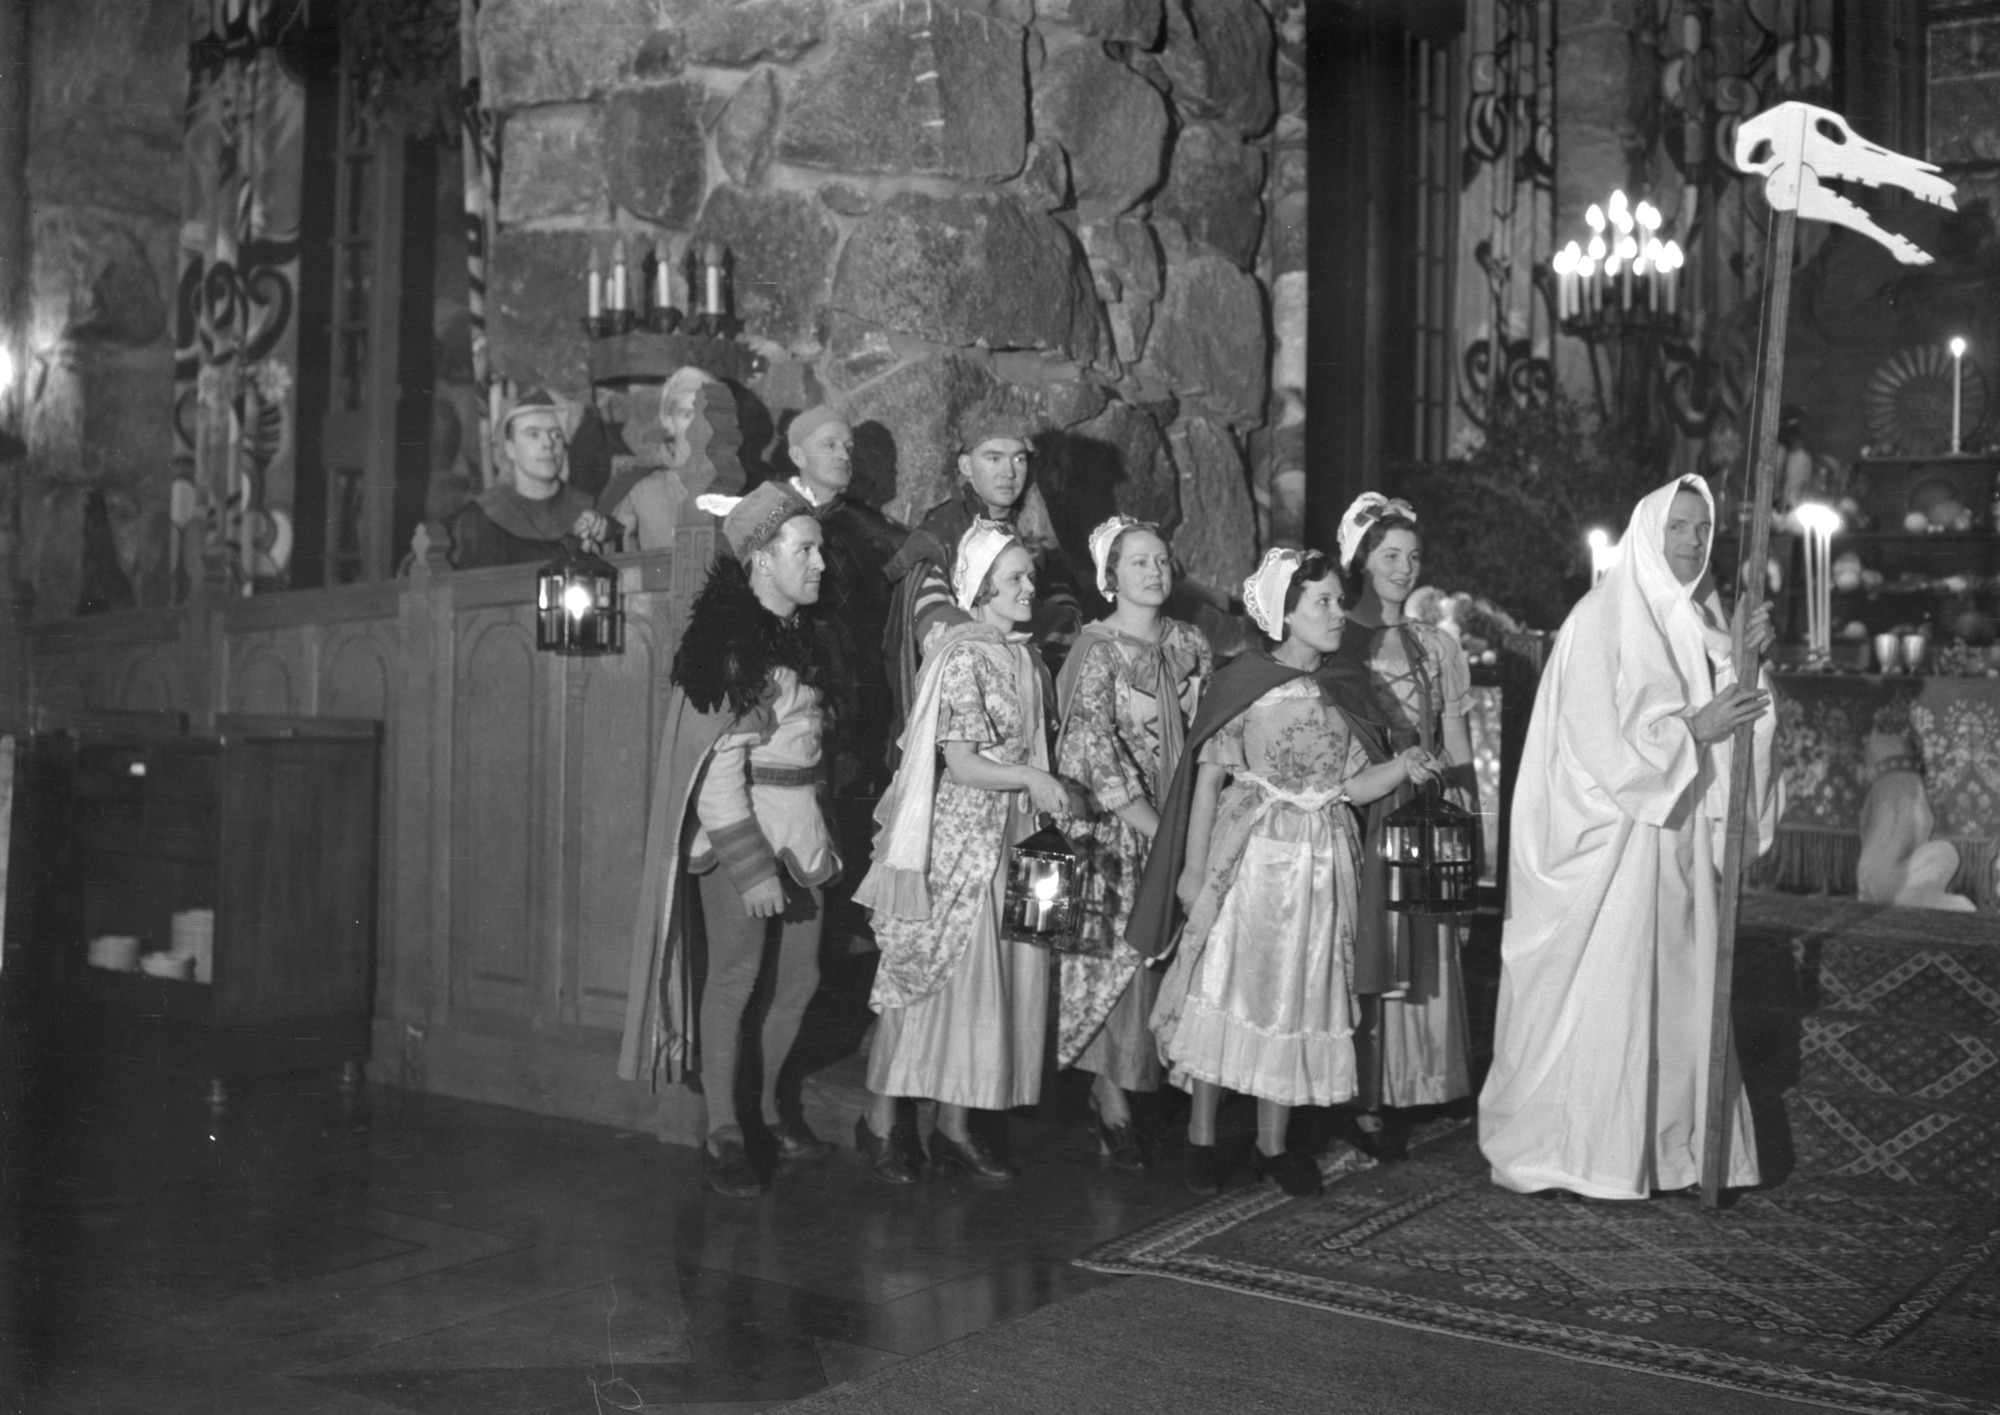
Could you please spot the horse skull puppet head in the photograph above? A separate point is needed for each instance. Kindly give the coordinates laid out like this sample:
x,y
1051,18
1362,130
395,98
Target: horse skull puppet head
x,y
1798,148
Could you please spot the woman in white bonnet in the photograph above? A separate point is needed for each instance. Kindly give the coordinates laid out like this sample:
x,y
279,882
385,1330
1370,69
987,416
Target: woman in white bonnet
x,y
963,1010
1127,691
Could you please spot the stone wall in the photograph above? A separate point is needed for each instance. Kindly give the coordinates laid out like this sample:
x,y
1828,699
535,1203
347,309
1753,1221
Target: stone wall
x,y
1060,205
109,78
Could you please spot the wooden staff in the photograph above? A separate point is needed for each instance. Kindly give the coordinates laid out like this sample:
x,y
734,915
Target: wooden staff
x,y
1722,1072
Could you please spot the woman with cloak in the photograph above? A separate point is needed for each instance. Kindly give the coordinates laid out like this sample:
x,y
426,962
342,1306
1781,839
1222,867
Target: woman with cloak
x,y
963,1011
1414,1040
1601,1048
1257,999
1126,692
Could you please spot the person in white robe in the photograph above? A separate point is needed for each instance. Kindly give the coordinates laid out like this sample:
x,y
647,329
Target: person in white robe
x,y
1601,1047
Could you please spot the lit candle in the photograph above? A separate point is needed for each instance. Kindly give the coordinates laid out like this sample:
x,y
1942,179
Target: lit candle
x,y
596,286
1603,554
711,294
1819,521
1957,390
620,289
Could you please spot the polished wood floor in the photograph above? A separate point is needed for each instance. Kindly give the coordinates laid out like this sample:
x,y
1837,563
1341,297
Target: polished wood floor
x,y
309,1250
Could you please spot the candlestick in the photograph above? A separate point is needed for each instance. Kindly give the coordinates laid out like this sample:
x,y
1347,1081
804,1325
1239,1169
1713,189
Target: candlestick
x,y
596,284
1957,391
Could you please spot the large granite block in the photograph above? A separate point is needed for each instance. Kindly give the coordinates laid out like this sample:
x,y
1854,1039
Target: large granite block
x,y
970,270
558,51
1112,123
918,89
552,164
655,157
783,244
535,301
1209,339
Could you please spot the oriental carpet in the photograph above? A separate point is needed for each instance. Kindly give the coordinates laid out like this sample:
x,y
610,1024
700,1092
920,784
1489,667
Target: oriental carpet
x,y
1850,1292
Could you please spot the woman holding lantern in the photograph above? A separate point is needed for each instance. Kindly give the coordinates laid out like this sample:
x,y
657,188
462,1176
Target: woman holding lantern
x,y
1406,966
1259,848
1126,693
963,1010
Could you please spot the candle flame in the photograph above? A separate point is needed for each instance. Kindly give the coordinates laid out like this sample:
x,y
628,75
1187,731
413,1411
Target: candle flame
x,y
1958,348
1817,517
1046,887
576,600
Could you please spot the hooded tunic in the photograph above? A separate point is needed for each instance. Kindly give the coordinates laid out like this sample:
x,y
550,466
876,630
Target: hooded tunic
x,y
1600,1066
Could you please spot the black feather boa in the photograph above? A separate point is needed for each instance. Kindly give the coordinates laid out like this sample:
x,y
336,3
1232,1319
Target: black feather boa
x,y
733,642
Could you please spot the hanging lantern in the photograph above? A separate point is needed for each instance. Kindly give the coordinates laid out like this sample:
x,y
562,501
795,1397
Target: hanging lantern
x,y
578,609
1044,892
1430,846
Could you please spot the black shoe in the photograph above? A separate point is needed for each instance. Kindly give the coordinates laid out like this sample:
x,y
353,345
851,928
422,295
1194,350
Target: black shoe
x,y
1295,1174
1203,1169
971,1156
1119,1143
728,1171
797,1142
885,1157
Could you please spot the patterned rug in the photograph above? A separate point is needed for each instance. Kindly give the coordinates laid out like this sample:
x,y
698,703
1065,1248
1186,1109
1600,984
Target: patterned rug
x,y
1854,1293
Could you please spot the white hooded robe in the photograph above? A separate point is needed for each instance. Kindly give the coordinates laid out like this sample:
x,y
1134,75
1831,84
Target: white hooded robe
x,y
1600,1066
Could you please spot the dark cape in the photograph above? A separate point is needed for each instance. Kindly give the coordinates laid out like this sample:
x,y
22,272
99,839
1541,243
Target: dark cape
x,y
1156,911
502,527
720,681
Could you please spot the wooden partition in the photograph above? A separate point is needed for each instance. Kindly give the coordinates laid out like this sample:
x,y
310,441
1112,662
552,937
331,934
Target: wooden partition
x,y
514,803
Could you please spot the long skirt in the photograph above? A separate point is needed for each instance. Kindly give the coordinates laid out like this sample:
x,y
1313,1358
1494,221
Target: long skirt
x,y
1257,1000
1123,1051
977,1041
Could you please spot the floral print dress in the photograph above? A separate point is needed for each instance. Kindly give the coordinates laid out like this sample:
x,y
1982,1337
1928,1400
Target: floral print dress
x,y
1257,998
1111,744
964,1013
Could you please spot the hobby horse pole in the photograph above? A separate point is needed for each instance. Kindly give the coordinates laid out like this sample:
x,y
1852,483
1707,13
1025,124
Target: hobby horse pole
x,y
1756,552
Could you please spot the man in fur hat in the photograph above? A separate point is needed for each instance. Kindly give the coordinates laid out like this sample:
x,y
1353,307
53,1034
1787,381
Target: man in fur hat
x,y
735,811
523,518
993,471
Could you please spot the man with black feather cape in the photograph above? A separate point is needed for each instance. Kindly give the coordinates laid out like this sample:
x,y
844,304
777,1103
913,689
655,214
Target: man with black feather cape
x,y
735,812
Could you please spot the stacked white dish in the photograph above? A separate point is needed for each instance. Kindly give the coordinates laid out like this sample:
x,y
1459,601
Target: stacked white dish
x,y
117,952
194,937
166,965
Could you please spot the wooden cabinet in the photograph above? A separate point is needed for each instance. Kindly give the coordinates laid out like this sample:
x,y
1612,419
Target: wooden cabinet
x,y
270,823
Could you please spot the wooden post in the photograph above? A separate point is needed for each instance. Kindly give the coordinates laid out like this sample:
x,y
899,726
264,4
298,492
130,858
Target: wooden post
x,y
1756,550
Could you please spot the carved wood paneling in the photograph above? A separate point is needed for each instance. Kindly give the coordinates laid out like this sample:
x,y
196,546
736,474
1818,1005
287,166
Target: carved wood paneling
x,y
263,677
147,683
497,797
354,671
611,746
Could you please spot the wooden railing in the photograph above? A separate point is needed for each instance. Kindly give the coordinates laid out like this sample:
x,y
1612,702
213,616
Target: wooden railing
x,y
513,805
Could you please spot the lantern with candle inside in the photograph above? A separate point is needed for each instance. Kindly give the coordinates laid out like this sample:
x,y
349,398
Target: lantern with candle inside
x,y
1044,892
1430,845
578,607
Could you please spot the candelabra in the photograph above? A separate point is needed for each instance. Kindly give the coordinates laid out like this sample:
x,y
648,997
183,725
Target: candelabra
x,y
1620,294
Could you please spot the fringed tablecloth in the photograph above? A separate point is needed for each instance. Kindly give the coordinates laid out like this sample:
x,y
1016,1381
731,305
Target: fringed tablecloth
x,y
1823,721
